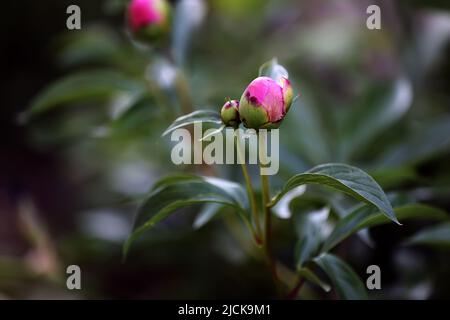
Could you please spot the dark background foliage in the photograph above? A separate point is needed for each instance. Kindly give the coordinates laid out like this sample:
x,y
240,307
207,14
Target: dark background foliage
x,y
65,196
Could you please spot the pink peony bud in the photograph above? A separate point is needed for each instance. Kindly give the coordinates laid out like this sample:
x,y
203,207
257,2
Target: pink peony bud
x,y
148,19
265,103
230,113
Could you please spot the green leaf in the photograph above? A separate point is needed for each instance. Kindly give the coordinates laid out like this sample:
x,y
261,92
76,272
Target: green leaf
x,y
14,269
134,117
437,236
390,177
428,139
350,180
310,233
312,277
213,133
273,70
312,142
83,85
174,192
366,217
208,116
96,44
378,110
208,212
346,282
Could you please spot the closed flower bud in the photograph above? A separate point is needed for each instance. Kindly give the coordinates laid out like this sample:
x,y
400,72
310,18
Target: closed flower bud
x,y
148,20
265,102
230,113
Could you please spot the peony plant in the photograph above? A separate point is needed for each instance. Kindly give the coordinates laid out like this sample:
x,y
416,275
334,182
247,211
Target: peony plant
x,y
264,105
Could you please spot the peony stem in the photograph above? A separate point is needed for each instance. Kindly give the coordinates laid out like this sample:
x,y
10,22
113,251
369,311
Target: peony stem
x,y
182,88
250,193
294,292
267,226
262,138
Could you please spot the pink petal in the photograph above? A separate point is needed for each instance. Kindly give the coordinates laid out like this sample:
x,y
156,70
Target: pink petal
x,y
268,93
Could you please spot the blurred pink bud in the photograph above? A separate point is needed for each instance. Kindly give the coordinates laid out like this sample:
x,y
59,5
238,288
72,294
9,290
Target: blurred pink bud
x,y
148,19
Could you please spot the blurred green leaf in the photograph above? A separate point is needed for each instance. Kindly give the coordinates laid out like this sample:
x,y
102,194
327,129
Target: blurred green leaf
x,y
135,116
311,141
208,212
347,283
81,86
213,133
350,180
392,177
436,236
12,269
179,191
428,139
115,7
238,8
379,109
366,217
94,45
309,228
208,116
312,277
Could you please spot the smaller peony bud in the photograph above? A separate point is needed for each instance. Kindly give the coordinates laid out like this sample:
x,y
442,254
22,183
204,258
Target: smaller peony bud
x,y
265,102
148,20
230,113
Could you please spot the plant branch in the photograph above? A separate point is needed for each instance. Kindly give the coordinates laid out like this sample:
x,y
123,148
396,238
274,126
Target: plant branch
x,y
262,139
250,192
182,88
294,292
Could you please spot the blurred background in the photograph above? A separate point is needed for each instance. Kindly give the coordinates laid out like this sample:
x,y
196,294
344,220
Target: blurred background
x,y
82,114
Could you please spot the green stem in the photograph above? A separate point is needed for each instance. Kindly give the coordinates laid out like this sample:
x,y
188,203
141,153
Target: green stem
x,y
267,226
182,88
162,101
294,292
262,138
250,193
180,83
